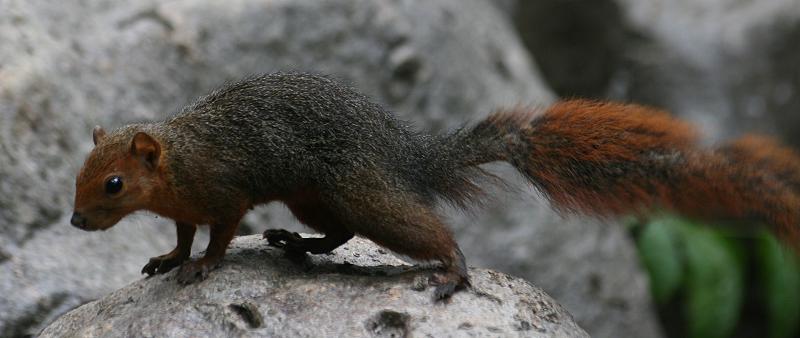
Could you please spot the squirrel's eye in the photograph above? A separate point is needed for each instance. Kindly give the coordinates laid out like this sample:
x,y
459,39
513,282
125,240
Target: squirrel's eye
x,y
113,185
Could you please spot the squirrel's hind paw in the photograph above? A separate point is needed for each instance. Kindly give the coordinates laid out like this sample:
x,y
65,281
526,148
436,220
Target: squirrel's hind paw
x,y
447,284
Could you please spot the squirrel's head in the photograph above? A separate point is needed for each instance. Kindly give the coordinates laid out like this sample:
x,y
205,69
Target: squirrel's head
x,y
118,178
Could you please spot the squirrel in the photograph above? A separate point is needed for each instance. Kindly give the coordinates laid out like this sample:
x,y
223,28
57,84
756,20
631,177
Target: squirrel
x,y
345,166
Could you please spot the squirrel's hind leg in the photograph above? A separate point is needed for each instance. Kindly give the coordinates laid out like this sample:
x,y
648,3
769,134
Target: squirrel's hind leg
x,y
402,222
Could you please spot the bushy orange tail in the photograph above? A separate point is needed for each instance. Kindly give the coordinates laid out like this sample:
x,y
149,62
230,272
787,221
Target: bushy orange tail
x,y
767,155
608,159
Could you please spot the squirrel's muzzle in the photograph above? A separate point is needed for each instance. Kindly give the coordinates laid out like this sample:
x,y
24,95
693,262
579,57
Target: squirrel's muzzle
x,y
78,221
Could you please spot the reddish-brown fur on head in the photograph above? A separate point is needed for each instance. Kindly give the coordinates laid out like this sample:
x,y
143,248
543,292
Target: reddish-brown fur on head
x,y
128,154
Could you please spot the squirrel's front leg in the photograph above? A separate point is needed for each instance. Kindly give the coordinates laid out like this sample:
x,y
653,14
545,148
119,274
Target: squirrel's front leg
x,y
166,262
197,270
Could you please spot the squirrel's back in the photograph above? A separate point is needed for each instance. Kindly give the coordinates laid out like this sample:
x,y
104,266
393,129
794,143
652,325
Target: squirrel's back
x,y
288,131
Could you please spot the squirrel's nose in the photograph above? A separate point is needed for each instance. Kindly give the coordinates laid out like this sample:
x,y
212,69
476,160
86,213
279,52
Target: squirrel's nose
x,y
78,220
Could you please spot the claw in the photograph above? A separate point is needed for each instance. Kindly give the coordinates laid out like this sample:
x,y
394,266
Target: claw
x,y
444,291
447,284
161,264
151,266
281,237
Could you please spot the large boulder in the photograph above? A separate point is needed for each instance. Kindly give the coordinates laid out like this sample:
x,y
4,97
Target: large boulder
x,y
357,291
74,64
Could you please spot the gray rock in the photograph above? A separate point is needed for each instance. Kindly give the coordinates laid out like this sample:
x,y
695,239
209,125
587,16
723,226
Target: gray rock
x,y
729,65
357,291
507,7
579,45
64,267
439,64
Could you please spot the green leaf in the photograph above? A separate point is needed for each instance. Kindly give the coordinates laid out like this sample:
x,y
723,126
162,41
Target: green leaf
x,y
661,257
779,274
714,284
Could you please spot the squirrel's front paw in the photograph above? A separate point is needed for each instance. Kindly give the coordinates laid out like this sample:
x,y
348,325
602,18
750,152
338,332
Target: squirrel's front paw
x,y
193,271
162,264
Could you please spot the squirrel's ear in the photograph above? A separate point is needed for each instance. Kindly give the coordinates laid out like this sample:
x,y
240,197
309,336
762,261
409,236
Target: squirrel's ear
x,y
147,149
97,134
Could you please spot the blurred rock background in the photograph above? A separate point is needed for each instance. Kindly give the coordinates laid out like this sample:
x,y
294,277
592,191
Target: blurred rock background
x,y
729,65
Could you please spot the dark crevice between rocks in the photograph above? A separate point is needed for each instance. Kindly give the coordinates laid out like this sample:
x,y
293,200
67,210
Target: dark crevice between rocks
x,y
4,256
595,284
465,326
407,66
22,325
578,45
388,323
249,314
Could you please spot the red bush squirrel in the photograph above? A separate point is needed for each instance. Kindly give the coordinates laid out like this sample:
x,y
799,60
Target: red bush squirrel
x,y
344,166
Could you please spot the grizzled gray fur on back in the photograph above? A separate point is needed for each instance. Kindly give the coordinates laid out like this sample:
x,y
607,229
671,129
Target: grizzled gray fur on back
x,y
254,134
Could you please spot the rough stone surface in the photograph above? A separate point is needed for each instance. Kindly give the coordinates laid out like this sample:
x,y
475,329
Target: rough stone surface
x,y
357,291
65,67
